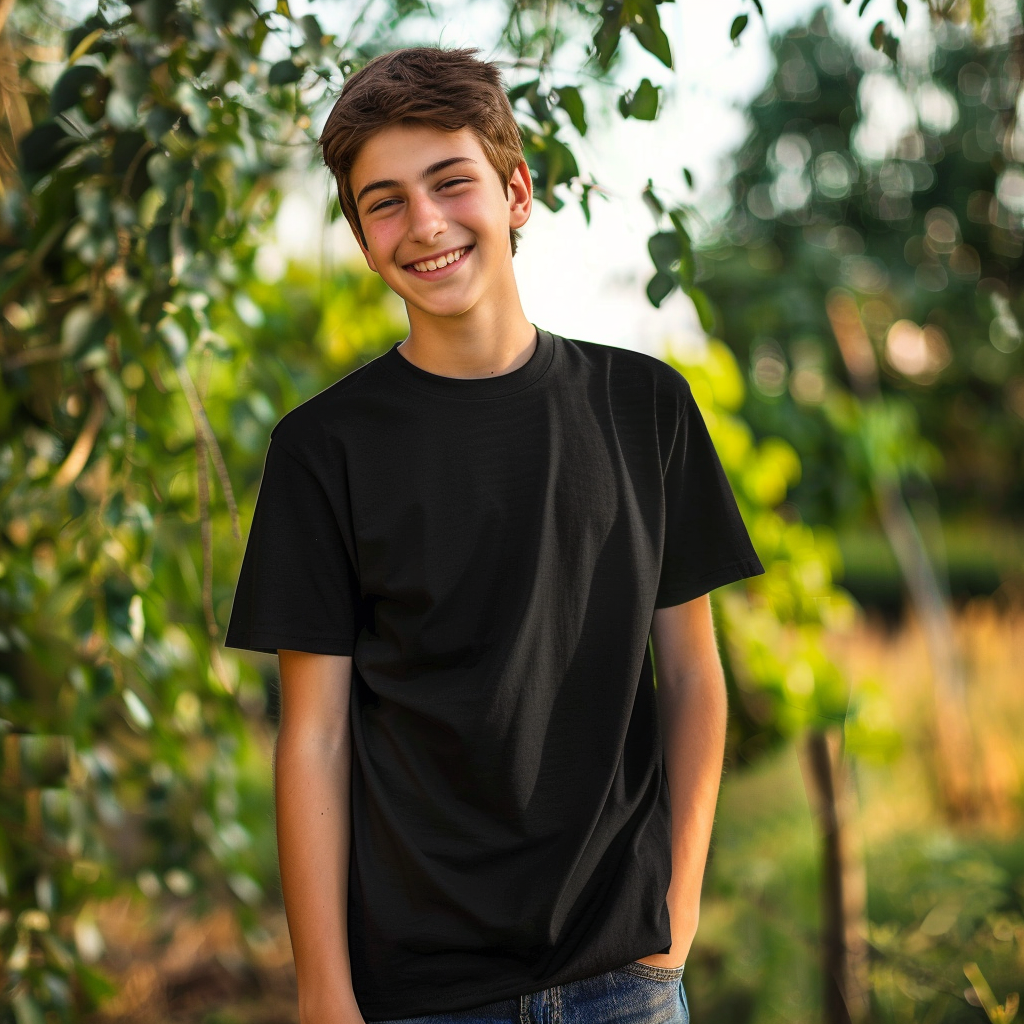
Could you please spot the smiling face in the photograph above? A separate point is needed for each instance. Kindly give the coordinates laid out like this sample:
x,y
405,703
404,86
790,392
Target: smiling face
x,y
426,197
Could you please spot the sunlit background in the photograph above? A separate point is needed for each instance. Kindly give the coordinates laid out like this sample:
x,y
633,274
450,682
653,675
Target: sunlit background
x,y
602,267
831,250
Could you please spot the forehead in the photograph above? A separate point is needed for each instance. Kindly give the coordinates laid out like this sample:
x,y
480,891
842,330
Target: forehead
x,y
402,151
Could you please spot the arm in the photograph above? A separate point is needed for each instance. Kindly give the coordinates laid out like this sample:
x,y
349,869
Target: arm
x,y
312,773
693,709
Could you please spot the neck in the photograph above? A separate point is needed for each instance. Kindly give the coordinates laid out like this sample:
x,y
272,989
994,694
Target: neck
x,y
492,338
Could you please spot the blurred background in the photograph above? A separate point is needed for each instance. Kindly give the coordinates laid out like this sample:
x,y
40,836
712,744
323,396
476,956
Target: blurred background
x,y
814,210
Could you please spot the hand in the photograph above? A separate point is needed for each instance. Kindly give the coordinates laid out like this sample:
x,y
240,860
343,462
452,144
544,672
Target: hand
x,y
670,960
682,940
684,931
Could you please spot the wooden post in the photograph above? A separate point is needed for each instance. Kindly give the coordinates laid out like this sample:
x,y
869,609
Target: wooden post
x,y
844,945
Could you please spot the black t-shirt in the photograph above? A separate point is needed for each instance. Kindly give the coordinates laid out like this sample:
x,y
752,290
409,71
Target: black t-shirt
x,y
490,551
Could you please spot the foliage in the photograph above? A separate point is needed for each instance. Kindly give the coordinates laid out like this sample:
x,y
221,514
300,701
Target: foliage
x,y
142,357
938,902
780,677
925,229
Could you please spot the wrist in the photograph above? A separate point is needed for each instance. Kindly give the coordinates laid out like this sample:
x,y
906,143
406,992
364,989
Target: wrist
x,y
328,1004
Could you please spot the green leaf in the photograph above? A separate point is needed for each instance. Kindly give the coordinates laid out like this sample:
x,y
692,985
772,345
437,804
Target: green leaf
x,y
311,30
679,224
863,7
26,1009
642,104
585,204
139,712
260,29
68,89
284,72
517,92
551,163
588,188
158,245
660,287
882,39
704,308
652,202
540,106
606,38
665,249
688,176
94,984
684,272
563,160
42,148
739,23
84,44
641,18
571,102
901,7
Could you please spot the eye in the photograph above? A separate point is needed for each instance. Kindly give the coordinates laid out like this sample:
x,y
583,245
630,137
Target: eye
x,y
387,202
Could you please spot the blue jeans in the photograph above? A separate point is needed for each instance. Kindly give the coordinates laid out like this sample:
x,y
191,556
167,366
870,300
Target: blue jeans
x,y
633,994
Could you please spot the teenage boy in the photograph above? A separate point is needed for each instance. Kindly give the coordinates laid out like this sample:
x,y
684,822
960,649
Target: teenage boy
x,y
460,552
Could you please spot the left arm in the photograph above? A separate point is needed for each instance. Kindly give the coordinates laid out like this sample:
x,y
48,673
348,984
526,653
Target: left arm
x,y
693,709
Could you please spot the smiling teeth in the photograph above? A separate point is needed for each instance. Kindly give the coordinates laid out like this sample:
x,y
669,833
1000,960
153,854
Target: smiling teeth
x,y
441,261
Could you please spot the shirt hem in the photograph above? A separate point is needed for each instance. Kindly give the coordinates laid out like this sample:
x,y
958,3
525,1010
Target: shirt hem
x,y
270,643
473,998
730,573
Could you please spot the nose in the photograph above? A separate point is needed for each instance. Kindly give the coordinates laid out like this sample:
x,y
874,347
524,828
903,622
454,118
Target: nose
x,y
426,221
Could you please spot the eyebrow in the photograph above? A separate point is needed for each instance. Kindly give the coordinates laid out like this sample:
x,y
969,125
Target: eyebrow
x,y
376,186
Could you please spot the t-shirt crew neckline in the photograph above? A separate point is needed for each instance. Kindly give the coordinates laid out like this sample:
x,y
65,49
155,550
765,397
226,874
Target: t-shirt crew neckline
x,y
474,387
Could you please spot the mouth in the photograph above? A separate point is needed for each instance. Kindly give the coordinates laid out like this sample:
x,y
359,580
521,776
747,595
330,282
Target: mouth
x,y
441,265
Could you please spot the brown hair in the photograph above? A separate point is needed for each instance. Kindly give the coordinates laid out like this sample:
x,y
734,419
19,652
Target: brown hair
x,y
445,89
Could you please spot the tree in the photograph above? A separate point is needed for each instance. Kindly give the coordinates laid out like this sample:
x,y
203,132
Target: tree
x,y
875,285
142,158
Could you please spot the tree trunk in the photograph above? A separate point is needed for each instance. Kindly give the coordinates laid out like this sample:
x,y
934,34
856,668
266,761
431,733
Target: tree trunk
x,y
844,945
953,750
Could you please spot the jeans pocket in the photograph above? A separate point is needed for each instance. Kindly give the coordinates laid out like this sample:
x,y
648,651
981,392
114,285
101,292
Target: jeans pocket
x,y
654,973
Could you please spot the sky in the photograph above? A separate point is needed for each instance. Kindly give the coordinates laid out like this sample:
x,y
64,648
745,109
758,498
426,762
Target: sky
x,y
602,269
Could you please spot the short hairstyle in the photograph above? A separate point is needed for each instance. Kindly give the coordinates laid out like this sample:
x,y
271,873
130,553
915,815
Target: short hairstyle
x,y
445,89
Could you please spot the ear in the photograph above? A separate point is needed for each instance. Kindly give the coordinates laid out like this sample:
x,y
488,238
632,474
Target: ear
x,y
520,196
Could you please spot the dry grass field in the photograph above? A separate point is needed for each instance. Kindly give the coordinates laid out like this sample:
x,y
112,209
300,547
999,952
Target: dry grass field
x,y
990,638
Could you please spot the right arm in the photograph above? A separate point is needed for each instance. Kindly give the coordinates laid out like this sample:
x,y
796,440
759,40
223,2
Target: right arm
x,y
312,773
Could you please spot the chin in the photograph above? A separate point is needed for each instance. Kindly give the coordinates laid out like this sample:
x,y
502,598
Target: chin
x,y
450,306
445,311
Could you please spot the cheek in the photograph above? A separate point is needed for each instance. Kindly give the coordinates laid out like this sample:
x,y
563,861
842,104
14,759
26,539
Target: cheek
x,y
472,211
383,238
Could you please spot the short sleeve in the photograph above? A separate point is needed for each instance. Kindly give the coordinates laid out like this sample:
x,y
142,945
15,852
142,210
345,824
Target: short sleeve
x,y
706,541
297,587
